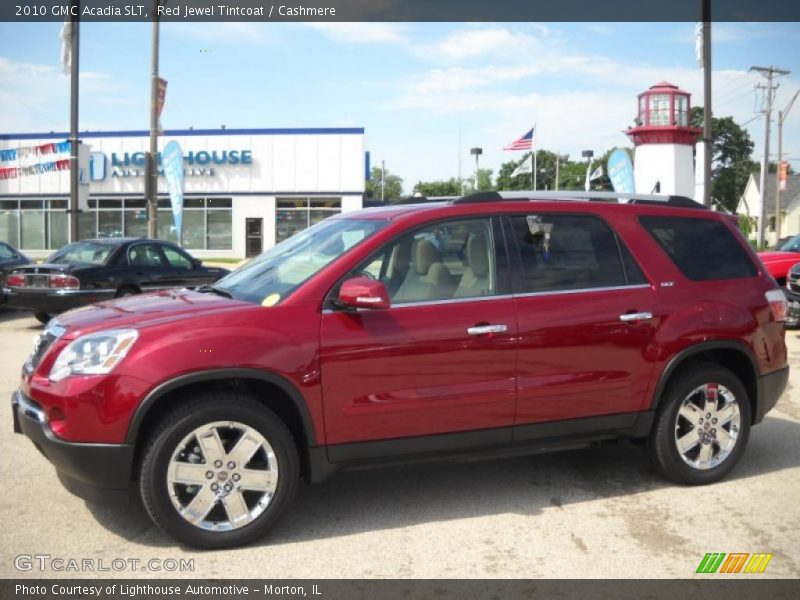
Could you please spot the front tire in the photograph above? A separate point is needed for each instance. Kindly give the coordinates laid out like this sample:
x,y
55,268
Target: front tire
x,y
219,471
702,425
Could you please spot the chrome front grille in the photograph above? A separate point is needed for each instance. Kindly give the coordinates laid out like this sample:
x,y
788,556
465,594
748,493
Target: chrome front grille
x,y
42,343
793,282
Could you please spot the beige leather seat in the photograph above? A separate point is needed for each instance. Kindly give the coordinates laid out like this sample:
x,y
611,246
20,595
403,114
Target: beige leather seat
x,y
427,279
475,281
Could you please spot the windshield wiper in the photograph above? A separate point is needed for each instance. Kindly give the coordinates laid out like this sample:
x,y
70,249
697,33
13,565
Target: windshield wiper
x,y
214,290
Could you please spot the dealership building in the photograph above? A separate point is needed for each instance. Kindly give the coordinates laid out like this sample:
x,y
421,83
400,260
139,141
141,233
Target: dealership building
x,y
245,189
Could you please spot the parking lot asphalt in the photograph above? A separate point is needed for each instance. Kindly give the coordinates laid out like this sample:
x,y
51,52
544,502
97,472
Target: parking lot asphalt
x,y
601,512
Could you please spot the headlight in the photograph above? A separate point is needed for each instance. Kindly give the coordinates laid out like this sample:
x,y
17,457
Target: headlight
x,y
93,354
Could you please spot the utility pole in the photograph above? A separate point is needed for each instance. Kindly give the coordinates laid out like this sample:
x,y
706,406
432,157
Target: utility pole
x,y
151,170
781,118
707,133
769,73
73,126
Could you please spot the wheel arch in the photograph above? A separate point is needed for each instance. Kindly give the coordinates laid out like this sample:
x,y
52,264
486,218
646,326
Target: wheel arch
x,y
735,356
270,389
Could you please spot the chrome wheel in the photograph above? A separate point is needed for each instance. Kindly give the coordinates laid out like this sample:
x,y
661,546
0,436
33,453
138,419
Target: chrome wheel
x,y
707,426
222,476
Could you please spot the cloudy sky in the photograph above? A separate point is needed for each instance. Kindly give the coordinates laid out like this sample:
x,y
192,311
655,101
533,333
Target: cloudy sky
x,y
413,86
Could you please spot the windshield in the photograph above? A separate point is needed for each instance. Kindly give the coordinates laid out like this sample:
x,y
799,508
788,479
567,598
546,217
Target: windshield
x,y
272,276
83,253
791,245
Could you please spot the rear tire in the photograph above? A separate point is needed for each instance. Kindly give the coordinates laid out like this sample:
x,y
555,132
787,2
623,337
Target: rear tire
x,y
702,425
127,290
43,317
199,482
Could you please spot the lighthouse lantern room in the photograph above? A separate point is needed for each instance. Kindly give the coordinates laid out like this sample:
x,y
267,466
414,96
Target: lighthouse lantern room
x,y
664,140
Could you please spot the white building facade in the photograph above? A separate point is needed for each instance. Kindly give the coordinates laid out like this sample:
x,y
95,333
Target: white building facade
x,y
245,189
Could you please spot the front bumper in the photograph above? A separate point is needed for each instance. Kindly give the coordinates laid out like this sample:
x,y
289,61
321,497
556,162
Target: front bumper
x,y
53,301
99,473
770,388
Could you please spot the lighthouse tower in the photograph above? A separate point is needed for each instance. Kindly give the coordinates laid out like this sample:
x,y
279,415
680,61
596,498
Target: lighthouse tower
x,y
663,160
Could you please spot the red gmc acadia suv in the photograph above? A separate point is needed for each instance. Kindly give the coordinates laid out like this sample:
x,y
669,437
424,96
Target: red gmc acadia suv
x,y
492,323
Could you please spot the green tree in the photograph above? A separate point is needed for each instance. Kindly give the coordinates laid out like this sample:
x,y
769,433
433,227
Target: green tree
x,y
571,174
731,160
393,186
484,181
448,187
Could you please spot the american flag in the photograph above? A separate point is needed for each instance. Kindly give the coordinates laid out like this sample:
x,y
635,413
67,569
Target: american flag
x,y
523,143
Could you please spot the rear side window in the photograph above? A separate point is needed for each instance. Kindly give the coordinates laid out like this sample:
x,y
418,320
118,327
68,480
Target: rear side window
x,y
703,249
568,252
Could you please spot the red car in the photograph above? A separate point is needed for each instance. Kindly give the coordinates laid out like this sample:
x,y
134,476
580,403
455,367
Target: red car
x,y
784,257
490,324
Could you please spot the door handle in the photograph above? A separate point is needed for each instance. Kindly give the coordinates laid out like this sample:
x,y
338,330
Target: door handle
x,y
484,329
639,316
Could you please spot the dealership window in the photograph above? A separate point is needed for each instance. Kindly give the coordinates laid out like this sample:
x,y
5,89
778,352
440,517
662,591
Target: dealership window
x,y
42,224
9,222
294,214
207,222
34,224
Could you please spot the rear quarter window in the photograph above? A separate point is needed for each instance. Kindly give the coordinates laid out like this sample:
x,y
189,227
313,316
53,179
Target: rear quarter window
x,y
703,249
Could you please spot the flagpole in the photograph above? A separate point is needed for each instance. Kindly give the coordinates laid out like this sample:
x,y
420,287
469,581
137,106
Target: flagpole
x,y
533,148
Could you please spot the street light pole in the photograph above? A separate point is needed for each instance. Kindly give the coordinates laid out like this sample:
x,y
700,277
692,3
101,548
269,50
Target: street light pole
x,y
587,154
151,171
74,182
476,152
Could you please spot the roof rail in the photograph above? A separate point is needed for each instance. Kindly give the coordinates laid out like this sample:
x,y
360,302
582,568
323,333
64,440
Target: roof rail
x,y
424,199
575,196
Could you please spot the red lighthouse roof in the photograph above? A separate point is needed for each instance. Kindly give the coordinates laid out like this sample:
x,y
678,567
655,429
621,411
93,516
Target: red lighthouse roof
x,y
666,86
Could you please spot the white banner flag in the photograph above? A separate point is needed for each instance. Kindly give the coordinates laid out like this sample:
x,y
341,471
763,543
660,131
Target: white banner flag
x,y
526,166
66,47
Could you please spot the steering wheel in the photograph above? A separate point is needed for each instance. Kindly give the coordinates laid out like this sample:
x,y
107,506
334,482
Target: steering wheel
x,y
367,274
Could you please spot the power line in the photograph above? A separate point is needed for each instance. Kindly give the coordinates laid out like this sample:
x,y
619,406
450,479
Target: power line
x,y
733,90
734,99
750,120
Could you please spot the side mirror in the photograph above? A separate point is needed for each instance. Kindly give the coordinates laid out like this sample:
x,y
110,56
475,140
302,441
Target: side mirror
x,y
196,263
363,292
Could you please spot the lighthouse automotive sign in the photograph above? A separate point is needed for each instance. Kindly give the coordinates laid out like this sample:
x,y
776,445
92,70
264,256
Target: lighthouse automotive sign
x,y
196,163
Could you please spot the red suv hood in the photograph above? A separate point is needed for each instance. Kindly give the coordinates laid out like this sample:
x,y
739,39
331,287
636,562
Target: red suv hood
x,y
778,255
145,310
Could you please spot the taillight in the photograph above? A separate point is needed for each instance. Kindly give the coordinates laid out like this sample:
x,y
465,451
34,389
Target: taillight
x,y
15,280
64,282
777,304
